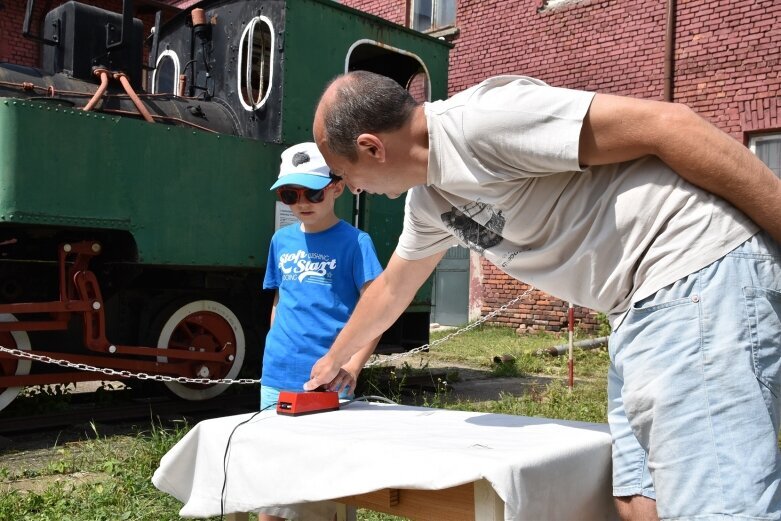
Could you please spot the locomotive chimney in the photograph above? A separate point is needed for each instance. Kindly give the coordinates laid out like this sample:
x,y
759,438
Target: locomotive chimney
x,y
201,28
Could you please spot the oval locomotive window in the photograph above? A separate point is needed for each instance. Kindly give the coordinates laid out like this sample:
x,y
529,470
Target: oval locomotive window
x,y
256,56
164,77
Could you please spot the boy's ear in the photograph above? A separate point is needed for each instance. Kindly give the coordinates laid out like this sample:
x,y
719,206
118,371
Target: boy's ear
x,y
372,146
338,188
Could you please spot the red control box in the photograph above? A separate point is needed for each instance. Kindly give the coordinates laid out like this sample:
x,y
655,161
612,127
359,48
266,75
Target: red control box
x,y
293,403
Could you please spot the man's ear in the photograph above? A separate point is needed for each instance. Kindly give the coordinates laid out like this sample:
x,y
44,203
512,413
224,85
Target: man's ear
x,y
371,145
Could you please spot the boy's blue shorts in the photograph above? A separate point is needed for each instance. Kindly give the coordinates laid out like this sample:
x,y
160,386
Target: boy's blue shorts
x,y
694,391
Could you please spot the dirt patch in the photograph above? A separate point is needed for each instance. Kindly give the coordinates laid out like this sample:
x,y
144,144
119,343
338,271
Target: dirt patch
x,y
39,484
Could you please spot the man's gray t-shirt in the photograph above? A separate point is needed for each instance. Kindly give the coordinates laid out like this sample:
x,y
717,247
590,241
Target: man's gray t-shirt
x,y
504,180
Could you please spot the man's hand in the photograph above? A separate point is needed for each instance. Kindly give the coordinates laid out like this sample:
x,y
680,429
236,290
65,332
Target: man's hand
x,y
323,372
347,378
379,306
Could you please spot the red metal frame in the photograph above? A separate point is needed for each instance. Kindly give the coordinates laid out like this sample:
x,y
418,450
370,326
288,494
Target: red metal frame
x,y
80,294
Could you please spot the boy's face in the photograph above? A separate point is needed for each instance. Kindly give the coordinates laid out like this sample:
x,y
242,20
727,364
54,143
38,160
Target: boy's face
x,y
309,213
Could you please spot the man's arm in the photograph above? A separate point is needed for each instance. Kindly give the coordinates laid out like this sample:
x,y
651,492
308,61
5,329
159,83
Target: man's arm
x,y
619,129
380,306
348,377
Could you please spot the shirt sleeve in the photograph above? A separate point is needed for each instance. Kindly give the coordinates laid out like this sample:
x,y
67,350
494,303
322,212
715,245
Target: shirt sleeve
x,y
524,127
420,239
271,279
367,267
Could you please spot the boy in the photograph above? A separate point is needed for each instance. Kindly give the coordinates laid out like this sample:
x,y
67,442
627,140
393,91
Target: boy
x,y
319,268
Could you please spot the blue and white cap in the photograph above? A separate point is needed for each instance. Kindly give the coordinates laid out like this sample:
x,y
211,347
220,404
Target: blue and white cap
x,y
303,165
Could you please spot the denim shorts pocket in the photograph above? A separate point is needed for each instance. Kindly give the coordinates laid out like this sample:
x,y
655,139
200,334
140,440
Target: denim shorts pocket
x,y
650,305
763,309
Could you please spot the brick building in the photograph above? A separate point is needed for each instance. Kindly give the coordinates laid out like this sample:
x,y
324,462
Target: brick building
x,y
721,58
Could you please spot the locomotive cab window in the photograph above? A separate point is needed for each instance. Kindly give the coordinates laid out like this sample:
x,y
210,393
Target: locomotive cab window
x,y
256,54
164,77
403,66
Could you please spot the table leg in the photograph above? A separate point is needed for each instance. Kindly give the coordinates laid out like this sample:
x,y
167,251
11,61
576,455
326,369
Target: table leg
x,y
345,512
488,505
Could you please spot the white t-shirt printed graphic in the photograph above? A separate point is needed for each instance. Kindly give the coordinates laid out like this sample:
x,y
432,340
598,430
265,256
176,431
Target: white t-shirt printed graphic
x,y
600,237
300,265
477,224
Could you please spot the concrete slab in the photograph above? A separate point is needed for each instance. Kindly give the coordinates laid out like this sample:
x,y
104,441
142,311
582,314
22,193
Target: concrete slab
x,y
492,388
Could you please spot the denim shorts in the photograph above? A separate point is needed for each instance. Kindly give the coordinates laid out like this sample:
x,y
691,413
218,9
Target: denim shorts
x,y
269,396
694,390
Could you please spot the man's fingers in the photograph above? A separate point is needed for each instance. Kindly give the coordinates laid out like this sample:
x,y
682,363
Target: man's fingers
x,y
312,384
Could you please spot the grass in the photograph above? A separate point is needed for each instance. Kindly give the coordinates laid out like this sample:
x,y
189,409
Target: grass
x,y
116,471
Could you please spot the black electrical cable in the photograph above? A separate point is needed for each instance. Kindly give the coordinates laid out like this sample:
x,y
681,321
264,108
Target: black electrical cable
x,y
228,444
225,458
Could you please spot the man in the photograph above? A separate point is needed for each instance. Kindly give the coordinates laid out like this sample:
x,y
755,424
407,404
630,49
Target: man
x,y
615,204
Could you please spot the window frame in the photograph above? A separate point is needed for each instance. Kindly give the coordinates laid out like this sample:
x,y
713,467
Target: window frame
x,y
177,71
241,77
431,28
384,46
754,139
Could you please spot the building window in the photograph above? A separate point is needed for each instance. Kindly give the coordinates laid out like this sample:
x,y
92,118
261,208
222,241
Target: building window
x,y
768,148
254,68
166,73
430,15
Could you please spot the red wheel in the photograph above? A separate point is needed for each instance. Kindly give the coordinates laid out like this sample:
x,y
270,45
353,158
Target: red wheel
x,y
10,367
206,326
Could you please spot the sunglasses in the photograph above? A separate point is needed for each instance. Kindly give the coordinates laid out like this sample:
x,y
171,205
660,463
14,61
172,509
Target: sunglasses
x,y
289,195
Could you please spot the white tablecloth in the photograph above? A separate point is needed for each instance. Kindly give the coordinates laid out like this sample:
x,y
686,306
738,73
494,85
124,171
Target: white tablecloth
x,y
543,469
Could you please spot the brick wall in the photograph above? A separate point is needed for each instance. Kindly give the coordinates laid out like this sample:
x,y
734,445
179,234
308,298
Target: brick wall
x,y
393,10
537,312
727,64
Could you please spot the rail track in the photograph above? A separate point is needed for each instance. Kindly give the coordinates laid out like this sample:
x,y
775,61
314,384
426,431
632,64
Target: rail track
x,y
86,410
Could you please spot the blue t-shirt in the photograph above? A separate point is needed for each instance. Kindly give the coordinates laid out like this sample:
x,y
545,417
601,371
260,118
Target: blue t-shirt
x,y
319,277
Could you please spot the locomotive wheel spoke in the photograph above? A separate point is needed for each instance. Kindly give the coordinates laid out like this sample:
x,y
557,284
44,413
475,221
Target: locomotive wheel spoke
x,y
206,326
8,367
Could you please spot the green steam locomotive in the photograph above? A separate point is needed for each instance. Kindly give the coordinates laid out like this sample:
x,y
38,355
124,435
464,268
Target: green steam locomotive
x,y
135,214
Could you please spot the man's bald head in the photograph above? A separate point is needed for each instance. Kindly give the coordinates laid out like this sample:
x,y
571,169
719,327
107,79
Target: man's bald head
x,y
356,103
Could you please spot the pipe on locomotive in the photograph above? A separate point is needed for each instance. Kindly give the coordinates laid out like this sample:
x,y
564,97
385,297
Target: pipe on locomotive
x,y
22,82
122,77
103,74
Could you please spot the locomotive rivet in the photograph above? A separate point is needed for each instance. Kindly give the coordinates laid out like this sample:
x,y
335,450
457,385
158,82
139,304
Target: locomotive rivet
x,y
112,349
95,247
231,358
67,248
96,305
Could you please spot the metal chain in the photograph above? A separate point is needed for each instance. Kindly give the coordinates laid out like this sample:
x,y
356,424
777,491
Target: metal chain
x,y
228,381
125,374
451,335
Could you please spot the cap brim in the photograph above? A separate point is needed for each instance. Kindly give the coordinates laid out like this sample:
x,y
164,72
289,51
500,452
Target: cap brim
x,y
315,182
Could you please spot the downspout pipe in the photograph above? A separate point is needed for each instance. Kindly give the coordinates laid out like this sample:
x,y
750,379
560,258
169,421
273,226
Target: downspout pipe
x,y
669,52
